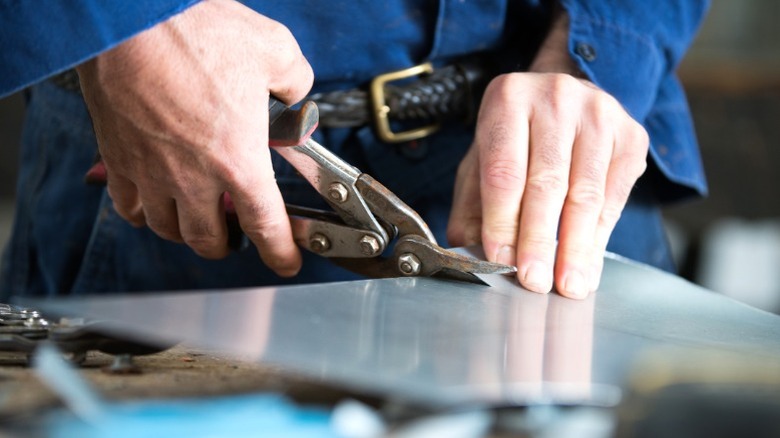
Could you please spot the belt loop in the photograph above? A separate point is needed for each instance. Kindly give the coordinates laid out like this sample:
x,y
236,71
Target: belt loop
x,y
464,27
438,34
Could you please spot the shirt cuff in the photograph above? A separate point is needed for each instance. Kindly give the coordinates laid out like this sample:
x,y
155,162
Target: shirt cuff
x,y
40,40
627,65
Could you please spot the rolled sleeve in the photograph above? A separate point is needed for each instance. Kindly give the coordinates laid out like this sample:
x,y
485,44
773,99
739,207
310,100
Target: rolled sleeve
x,y
39,39
631,50
624,64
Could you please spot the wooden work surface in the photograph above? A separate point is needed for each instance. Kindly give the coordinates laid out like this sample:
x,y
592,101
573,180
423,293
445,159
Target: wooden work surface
x,y
176,373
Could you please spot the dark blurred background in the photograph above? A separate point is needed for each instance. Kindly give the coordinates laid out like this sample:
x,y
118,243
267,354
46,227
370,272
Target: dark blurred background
x,y
729,242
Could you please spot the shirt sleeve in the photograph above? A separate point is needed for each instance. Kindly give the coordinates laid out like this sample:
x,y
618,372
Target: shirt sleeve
x,y
40,39
629,48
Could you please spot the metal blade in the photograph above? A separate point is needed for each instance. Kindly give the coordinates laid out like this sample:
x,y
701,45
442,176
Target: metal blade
x,y
415,255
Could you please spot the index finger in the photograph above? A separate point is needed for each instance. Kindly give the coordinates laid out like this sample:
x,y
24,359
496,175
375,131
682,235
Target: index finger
x,y
259,205
263,218
502,141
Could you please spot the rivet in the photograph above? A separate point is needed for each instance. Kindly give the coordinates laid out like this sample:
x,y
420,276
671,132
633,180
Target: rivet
x,y
338,192
369,245
409,264
319,243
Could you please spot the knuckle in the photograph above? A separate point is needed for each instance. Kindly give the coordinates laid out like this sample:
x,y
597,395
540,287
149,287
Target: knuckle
x,y
538,243
637,140
602,114
500,231
506,93
610,215
135,220
232,176
204,239
204,245
504,175
573,252
639,168
602,102
632,166
282,35
594,171
199,233
265,232
163,228
500,87
551,183
132,216
184,182
264,227
561,87
638,135
633,153
296,75
244,177
586,195
307,74
171,235
564,82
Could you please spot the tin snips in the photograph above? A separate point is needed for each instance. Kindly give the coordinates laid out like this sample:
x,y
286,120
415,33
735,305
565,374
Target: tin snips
x,y
366,218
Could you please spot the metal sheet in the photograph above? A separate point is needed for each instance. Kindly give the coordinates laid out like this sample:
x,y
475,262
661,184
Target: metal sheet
x,y
440,342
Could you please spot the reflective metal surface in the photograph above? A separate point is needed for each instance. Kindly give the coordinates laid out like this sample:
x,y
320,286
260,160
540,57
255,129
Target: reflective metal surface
x,y
440,342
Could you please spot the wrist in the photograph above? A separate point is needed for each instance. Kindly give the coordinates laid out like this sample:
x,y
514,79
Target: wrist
x,y
553,55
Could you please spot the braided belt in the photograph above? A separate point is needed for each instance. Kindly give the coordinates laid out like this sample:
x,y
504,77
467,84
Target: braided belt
x,y
423,96
448,93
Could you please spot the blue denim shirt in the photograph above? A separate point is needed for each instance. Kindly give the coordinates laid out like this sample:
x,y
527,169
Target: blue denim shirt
x,y
67,238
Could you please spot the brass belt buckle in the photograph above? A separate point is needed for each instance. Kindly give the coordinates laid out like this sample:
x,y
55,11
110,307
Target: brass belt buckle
x,y
381,111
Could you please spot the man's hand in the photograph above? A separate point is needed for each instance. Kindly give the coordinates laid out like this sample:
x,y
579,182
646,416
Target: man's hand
x,y
553,156
181,117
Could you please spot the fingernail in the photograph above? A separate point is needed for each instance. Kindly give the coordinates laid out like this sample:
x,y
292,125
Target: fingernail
x,y
538,277
575,284
506,255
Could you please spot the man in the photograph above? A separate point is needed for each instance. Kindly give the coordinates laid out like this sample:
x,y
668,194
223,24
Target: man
x,y
180,117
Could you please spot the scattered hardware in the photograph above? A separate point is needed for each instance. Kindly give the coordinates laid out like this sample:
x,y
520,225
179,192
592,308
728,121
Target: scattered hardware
x,y
23,329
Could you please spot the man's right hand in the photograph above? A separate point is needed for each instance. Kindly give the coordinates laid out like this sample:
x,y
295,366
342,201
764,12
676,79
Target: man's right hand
x,y
181,117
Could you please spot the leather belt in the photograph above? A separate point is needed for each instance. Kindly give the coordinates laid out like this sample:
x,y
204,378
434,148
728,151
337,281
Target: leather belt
x,y
420,96
448,93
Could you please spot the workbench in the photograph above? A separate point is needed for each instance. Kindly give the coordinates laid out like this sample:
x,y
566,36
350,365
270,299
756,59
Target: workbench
x,y
438,346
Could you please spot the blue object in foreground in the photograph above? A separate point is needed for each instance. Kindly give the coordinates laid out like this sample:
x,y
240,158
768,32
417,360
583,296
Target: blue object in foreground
x,y
256,415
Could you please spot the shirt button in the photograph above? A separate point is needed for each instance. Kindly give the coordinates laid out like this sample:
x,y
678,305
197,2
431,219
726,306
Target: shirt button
x,y
586,51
